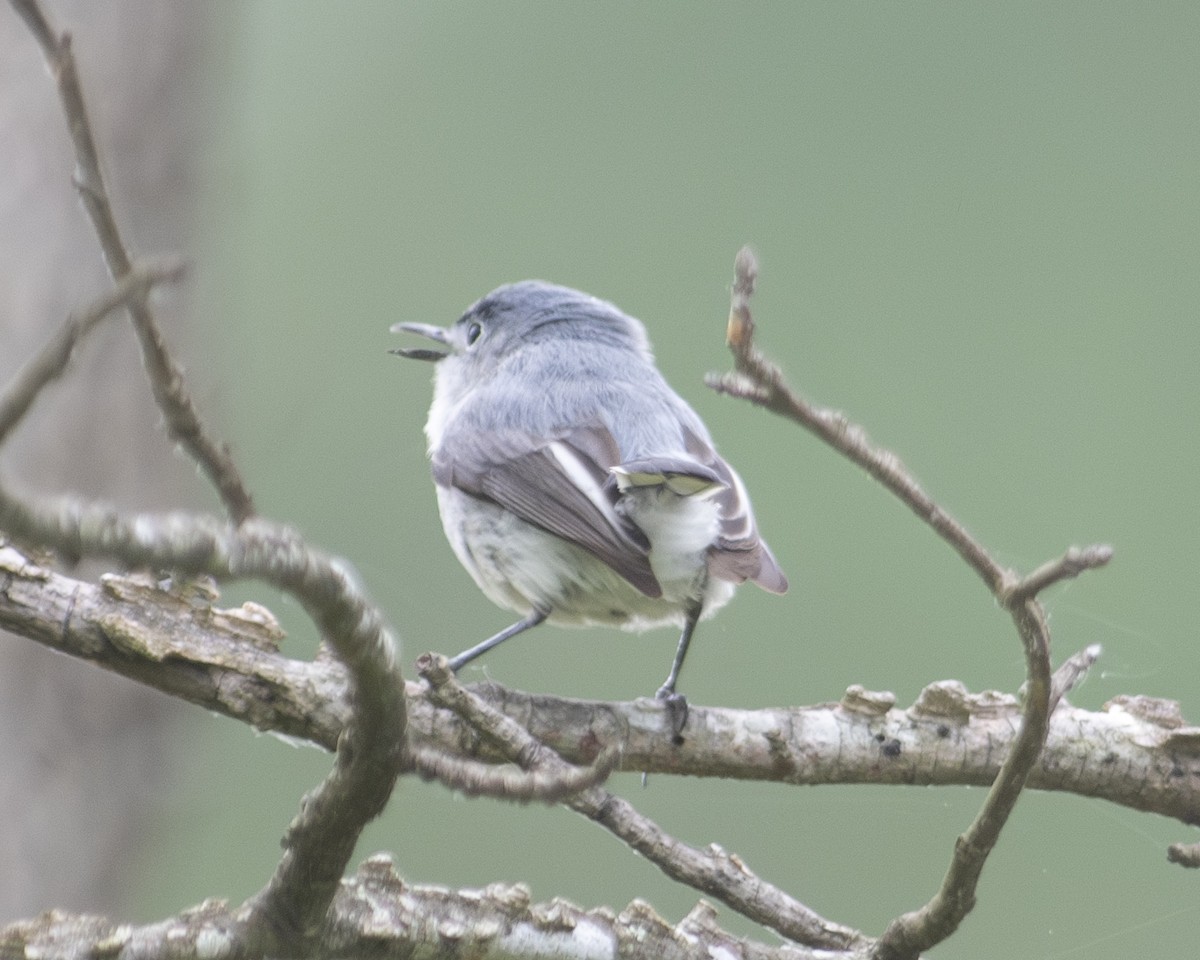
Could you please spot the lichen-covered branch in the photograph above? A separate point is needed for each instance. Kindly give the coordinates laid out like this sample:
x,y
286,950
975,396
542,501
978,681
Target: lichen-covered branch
x,y
321,840
1137,752
376,914
172,636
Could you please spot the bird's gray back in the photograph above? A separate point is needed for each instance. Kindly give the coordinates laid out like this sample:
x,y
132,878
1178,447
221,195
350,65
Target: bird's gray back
x,y
546,389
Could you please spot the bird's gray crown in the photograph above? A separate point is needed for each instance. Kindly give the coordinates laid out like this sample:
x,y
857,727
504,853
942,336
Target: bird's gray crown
x,y
533,310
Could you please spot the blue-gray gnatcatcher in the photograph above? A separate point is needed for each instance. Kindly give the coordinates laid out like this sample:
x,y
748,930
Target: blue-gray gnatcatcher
x,y
574,484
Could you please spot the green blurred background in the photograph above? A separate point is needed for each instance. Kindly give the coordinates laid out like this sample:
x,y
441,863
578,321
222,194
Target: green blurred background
x,y
978,228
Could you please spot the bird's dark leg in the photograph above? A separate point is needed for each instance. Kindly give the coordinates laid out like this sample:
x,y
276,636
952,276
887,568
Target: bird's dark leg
x,y
676,703
457,663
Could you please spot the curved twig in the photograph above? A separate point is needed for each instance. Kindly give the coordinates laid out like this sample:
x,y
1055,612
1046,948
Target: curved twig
x,y
321,840
759,380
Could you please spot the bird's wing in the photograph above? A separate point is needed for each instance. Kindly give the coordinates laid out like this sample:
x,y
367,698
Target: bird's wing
x,y
557,485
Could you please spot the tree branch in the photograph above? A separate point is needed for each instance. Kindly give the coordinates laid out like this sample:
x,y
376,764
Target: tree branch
x,y
375,913
174,638
1071,672
169,637
166,377
321,840
1071,564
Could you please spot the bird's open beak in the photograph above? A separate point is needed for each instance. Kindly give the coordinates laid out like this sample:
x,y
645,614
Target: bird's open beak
x,y
439,334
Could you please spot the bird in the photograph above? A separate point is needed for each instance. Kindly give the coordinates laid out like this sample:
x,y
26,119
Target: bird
x,y
574,484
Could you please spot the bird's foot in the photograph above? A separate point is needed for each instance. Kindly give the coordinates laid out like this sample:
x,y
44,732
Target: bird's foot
x,y
677,711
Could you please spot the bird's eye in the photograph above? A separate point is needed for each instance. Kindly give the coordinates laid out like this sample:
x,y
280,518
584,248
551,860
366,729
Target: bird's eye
x,y
473,332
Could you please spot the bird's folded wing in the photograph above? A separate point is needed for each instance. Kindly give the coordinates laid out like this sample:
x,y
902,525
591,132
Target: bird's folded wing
x,y
557,485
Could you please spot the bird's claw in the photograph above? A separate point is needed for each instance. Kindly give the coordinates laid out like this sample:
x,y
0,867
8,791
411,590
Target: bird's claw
x,y
677,711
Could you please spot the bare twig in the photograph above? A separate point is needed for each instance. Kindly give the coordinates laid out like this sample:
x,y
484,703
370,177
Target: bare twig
x,y
912,933
548,782
1071,564
714,871
166,377
49,364
511,783
1072,670
760,381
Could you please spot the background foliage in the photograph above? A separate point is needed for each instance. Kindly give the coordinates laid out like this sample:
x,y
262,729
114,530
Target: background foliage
x,y
978,227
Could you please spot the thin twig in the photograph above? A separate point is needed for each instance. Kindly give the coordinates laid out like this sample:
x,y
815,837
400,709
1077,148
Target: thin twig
x,y
1071,564
551,781
165,375
50,362
911,934
759,380
1071,671
713,872
510,783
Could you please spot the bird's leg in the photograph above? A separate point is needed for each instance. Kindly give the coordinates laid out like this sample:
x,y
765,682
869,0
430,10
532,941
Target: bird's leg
x,y
676,703
536,617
